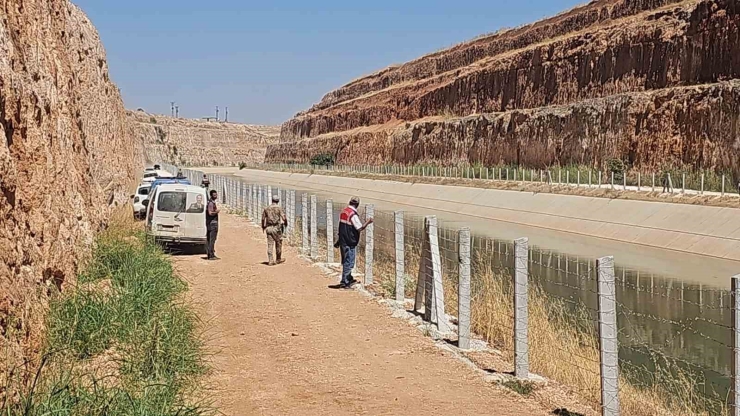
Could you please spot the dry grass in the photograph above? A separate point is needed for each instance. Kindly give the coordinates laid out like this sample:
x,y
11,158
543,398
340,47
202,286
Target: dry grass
x,y
563,341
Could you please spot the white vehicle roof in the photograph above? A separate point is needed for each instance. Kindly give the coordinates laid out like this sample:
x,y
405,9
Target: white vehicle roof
x,y
180,187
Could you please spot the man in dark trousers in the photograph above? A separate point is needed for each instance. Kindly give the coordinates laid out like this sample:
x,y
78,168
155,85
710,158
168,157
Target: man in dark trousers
x,y
350,227
212,211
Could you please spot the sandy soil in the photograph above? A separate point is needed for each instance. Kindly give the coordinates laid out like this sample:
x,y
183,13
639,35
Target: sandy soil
x,y
286,344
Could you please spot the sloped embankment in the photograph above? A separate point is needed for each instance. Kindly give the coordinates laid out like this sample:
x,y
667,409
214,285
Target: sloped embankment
x,y
67,159
645,81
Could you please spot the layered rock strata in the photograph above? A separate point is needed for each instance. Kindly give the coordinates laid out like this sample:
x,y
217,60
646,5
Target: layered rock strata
x,y
645,81
187,142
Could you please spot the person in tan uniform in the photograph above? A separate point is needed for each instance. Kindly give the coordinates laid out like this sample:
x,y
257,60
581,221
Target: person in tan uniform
x,y
273,225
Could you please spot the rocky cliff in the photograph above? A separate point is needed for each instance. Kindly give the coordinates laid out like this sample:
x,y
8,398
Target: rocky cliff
x,y
187,142
646,81
67,159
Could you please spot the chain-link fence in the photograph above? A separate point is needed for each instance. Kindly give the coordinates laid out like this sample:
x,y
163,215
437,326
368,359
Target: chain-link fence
x,y
624,341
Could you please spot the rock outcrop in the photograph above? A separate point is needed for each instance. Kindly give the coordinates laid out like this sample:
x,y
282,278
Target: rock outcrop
x,y
67,159
645,81
187,142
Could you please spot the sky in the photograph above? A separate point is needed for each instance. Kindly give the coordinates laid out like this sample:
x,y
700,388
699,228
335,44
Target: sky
x,y
267,60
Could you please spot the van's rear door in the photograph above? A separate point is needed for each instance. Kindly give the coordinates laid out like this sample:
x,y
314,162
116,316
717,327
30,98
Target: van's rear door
x,y
195,214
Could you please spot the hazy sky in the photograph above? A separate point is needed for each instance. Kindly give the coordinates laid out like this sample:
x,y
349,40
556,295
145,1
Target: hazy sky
x,y
268,60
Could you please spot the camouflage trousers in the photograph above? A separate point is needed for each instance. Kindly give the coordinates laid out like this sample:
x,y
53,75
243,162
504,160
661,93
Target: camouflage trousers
x,y
274,238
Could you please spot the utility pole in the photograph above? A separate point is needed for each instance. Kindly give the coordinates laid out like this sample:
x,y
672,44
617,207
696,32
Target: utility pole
x,y
227,114
216,113
177,111
172,108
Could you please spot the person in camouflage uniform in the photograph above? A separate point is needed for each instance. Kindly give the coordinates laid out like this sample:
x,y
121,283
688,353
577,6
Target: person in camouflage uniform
x,y
273,224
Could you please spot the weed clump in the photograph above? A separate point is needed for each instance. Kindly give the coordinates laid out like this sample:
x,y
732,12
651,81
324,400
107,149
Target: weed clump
x,y
133,348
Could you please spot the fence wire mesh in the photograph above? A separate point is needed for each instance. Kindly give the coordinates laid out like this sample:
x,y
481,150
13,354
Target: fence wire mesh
x,y
675,339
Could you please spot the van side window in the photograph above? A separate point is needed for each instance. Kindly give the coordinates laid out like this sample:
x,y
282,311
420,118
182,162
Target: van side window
x,y
172,202
144,191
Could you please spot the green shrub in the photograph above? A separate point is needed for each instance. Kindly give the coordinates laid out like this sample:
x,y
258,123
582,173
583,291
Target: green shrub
x,y
324,159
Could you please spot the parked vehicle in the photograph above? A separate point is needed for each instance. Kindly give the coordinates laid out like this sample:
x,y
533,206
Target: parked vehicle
x,y
176,214
141,195
156,174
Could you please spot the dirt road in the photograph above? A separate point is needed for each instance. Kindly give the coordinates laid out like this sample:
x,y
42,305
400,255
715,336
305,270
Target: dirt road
x,y
286,344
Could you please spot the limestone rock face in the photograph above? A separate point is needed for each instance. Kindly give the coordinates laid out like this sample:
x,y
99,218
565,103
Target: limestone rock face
x,y
646,81
187,142
67,158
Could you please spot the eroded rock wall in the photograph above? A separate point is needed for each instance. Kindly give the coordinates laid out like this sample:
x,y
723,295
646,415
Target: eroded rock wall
x,y
186,142
576,88
67,159
689,126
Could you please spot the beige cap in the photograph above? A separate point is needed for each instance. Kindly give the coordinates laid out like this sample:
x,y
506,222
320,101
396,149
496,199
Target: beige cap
x,y
355,200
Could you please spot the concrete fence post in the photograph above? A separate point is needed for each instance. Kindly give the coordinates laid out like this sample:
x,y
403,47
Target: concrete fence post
x,y
304,222
612,180
255,202
329,231
314,224
599,179
369,244
560,176
521,308
683,183
670,184
639,181
578,182
268,200
429,287
609,348
723,185
735,306
463,297
653,181
245,202
400,256
291,209
624,181
702,183
567,177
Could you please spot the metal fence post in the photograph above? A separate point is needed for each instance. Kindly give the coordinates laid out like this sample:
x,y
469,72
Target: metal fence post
x,y
735,302
329,231
314,224
609,347
653,181
521,308
400,257
304,222
723,185
702,183
463,297
369,244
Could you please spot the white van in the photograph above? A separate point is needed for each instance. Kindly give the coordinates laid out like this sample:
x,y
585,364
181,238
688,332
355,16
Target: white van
x,y
177,214
152,176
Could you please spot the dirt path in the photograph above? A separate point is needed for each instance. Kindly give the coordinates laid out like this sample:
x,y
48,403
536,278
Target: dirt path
x,y
286,344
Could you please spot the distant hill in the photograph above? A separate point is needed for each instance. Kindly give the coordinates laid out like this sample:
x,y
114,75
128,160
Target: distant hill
x,y
190,142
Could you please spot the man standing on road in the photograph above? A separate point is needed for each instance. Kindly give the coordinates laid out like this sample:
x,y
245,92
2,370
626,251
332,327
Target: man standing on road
x,y
205,183
274,221
212,225
350,227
